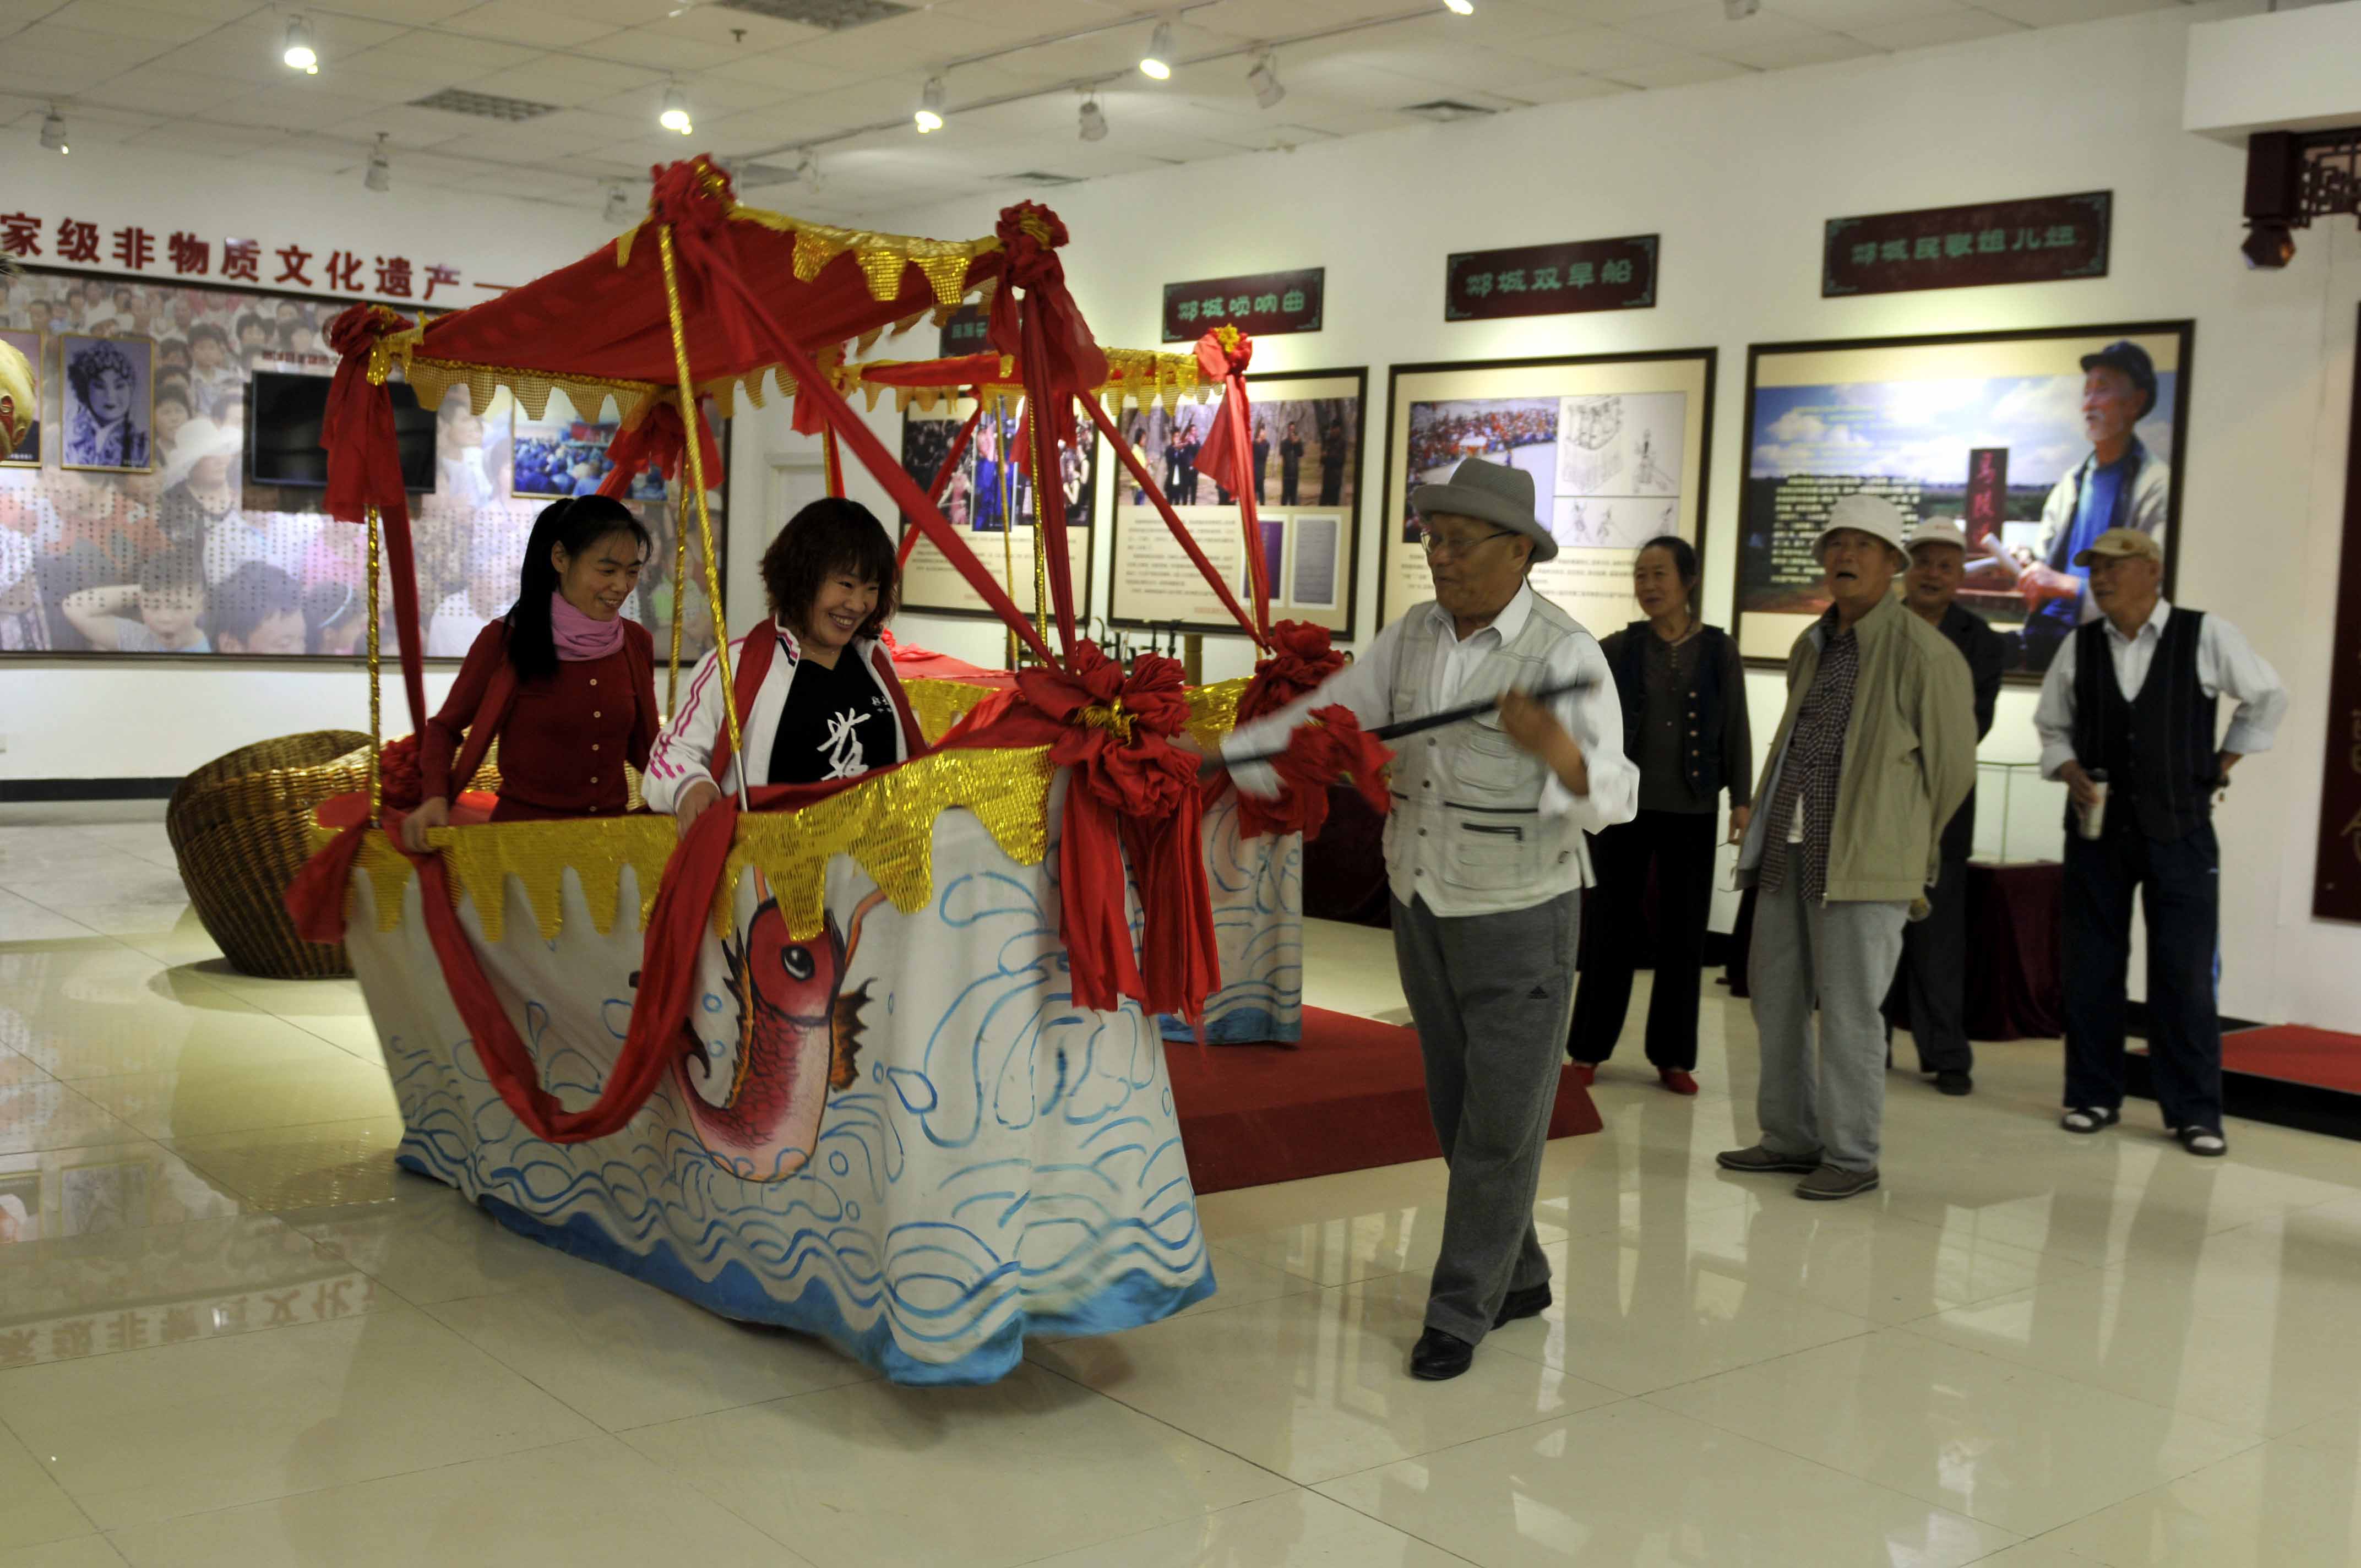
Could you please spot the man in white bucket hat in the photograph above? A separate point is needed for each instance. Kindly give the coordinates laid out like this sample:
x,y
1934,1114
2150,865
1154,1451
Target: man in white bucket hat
x,y
1876,751
1484,852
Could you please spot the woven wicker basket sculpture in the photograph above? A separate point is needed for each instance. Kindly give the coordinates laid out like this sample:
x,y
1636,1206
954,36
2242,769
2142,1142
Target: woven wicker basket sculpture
x,y
241,827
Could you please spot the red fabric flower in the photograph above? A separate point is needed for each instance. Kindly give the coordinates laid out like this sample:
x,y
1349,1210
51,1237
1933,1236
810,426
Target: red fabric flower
x,y
1119,729
399,782
691,194
1224,352
1331,748
1301,657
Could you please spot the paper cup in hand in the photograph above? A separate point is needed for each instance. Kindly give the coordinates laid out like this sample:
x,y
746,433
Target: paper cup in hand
x,y
2094,816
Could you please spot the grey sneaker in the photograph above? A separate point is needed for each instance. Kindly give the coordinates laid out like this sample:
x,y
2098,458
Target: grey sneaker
x,y
1830,1182
1760,1161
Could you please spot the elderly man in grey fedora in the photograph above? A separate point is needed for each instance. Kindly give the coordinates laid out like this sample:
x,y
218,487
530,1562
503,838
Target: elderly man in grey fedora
x,y
1485,855
1876,751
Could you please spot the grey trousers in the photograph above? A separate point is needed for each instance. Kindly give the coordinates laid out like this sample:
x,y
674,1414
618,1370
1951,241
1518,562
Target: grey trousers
x,y
1840,958
1490,995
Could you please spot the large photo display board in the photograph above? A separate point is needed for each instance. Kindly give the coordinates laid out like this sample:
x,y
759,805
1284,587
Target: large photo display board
x,y
169,504
1306,437
2033,443
1615,446
990,500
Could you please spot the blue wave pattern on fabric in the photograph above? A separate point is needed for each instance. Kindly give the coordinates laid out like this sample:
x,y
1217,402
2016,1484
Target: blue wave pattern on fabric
x,y
1019,1174
1258,893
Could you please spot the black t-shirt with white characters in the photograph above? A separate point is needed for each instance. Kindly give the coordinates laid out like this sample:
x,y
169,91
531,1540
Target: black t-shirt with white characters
x,y
837,723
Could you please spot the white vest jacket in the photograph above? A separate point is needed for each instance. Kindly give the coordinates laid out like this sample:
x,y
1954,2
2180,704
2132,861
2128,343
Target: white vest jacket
x,y
1467,822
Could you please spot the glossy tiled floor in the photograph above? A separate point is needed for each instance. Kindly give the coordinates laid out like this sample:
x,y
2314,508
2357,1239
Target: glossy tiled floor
x,y
231,1335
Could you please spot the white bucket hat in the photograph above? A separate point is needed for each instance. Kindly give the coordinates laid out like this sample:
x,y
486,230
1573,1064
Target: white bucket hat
x,y
1863,513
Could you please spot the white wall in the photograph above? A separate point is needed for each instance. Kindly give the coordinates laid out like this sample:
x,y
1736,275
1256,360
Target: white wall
x,y
1738,178
91,719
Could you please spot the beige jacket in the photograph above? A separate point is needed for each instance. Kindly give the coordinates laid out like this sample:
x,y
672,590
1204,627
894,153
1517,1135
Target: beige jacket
x,y
1909,758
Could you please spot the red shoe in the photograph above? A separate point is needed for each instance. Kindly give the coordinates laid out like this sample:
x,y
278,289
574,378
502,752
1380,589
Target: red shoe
x,y
1676,1080
1584,1071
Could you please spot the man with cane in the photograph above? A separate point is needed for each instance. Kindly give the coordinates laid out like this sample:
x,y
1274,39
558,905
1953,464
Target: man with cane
x,y
1484,856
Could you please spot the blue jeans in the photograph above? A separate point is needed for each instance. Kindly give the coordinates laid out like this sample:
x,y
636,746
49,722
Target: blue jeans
x,y
2181,879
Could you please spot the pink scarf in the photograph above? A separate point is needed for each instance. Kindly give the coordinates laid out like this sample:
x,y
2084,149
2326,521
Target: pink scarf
x,y
579,636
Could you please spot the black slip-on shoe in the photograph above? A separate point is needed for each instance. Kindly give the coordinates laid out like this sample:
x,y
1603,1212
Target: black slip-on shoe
x,y
1528,1303
1440,1357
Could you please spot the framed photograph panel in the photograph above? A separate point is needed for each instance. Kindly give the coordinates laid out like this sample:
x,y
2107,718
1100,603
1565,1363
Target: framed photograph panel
x,y
1616,445
990,500
1307,428
34,346
2033,443
188,556
109,386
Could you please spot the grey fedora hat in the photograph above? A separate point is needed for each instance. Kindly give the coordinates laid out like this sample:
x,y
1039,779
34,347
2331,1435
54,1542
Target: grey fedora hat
x,y
1489,493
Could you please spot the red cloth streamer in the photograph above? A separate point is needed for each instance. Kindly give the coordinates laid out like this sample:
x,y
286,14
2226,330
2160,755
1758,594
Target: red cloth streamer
x,y
364,471
667,975
835,462
316,899
1179,529
1131,791
1222,354
1330,748
660,440
944,472
1059,363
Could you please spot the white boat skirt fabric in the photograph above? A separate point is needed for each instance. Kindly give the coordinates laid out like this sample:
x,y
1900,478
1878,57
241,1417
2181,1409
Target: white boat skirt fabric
x,y
990,1162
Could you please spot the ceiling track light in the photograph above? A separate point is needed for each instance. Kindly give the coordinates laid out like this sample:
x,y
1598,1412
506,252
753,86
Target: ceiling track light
x,y
1157,61
298,52
1739,10
618,206
53,132
676,112
929,117
1094,119
807,169
379,177
1460,7
1264,80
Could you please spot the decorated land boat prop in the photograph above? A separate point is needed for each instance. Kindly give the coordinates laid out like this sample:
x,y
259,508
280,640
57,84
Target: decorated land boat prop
x,y
877,1058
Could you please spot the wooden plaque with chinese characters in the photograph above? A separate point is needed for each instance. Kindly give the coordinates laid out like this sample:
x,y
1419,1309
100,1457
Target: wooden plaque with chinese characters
x,y
2041,240
1259,305
964,333
1551,279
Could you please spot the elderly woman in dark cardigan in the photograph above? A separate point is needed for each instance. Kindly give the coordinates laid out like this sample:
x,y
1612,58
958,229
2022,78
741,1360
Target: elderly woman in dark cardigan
x,y
1683,697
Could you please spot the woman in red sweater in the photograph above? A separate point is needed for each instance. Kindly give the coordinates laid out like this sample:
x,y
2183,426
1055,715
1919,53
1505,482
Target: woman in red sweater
x,y
563,679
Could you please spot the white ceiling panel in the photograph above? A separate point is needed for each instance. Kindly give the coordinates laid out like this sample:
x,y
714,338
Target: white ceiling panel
x,y
1686,72
1933,31
205,75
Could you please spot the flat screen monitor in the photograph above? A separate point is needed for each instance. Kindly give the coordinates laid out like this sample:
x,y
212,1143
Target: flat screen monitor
x,y
284,414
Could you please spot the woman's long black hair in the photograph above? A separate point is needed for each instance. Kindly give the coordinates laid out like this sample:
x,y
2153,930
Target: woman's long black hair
x,y
579,523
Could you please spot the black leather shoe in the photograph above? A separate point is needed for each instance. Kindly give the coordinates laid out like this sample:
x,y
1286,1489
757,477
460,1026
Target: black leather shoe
x,y
1955,1082
1439,1356
1528,1303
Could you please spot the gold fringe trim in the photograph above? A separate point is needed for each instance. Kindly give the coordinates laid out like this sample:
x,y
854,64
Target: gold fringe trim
x,y
887,827
882,257
434,378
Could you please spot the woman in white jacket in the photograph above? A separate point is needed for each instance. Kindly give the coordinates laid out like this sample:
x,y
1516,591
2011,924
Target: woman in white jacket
x,y
817,698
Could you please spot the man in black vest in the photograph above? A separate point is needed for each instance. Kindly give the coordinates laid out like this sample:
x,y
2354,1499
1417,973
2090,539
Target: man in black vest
x,y
2128,720
1930,989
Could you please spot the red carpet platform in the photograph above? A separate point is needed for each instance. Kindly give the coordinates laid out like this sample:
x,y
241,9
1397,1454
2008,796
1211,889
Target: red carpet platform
x,y
2293,1053
2287,1074
1352,1095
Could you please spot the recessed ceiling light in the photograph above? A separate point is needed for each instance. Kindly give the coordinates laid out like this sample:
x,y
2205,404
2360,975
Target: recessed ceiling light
x,y
1157,61
1460,7
929,117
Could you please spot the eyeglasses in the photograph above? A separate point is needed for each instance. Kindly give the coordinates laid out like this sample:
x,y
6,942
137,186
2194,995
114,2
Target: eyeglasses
x,y
1436,545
